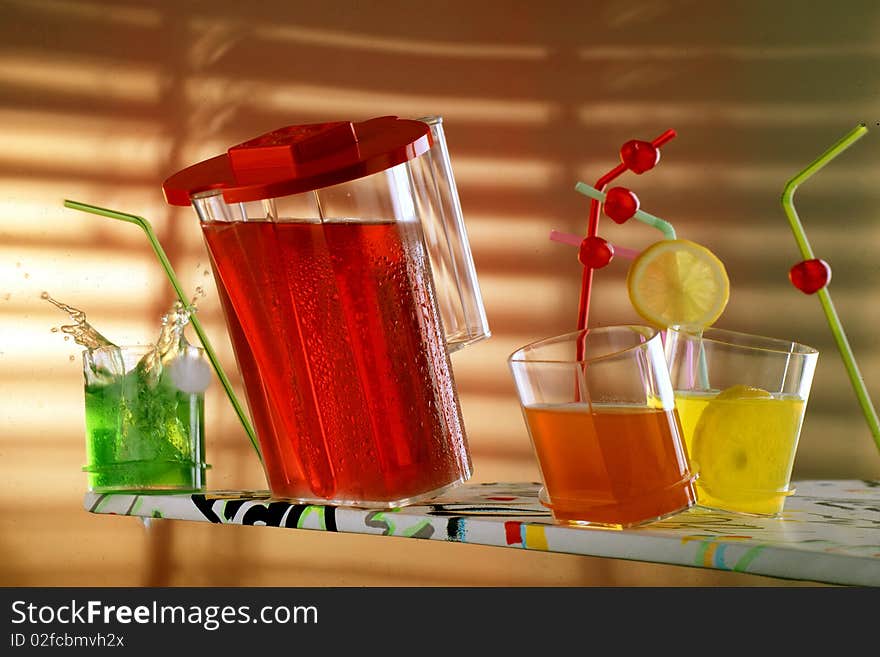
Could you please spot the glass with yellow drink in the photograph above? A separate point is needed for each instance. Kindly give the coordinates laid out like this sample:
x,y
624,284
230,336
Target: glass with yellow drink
x,y
600,413
741,399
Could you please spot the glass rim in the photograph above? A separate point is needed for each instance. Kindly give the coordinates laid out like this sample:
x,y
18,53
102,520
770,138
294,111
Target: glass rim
x,y
431,119
649,332
749,341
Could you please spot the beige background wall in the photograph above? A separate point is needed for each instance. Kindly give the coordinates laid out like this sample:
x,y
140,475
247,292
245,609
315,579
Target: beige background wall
x,y
99,102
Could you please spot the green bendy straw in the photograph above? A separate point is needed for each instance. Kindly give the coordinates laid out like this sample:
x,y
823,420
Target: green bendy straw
x,y
197,325
803,243
660,224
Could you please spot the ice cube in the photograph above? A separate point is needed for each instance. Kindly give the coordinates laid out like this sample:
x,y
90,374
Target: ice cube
x,y
104,366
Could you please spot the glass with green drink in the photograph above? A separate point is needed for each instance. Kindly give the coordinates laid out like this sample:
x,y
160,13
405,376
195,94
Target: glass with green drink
x,y
144,406
144,418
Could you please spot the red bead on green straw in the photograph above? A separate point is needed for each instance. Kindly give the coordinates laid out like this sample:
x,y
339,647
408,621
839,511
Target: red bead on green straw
x,y
656,222
812,275
178,288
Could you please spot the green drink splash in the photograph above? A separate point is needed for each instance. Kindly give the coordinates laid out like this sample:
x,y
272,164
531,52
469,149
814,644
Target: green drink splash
x,y
144,407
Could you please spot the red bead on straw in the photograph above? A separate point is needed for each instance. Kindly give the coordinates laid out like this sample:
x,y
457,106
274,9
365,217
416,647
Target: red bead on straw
x,y
595,252
636,156
810,276
620,204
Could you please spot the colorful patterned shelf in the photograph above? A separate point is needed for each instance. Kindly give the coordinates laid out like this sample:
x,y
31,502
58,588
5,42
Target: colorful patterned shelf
x,y
830,531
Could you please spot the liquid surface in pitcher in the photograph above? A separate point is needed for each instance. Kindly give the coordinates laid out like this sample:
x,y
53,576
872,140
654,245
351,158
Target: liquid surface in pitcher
x,y
340,345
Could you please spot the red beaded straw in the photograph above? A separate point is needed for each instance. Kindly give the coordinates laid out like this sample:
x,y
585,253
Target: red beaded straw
x,y
638,157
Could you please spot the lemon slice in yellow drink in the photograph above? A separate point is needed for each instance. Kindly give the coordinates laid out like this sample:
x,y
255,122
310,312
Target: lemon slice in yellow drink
x,y
722,444
678,283
743,449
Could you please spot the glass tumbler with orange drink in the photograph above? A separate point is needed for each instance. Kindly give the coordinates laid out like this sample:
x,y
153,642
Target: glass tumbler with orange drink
x,y
604,426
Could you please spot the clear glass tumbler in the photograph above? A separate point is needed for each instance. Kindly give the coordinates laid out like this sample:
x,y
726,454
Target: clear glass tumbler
x,y
145,419
741,399
604,427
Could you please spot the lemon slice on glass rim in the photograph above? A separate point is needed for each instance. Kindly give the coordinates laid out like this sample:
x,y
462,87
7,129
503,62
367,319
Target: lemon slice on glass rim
x,y
678,283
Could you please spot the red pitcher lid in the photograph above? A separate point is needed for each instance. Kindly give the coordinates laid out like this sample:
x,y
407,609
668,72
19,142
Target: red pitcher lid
x,y
301,158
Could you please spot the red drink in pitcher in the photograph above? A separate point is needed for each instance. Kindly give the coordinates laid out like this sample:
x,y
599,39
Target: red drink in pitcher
x,y
339,341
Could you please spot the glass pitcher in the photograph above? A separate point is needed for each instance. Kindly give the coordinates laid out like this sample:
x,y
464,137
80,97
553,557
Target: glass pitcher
x,y
346,279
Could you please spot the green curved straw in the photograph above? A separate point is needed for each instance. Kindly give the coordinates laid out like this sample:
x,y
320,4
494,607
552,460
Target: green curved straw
x,y
800,237
197,325
656,222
